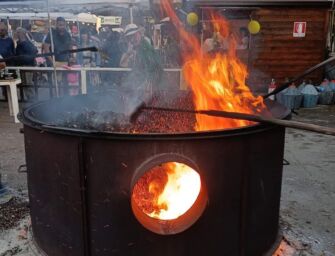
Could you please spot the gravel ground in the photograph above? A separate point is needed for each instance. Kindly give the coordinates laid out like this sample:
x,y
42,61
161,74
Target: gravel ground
x,y
12,212
308,192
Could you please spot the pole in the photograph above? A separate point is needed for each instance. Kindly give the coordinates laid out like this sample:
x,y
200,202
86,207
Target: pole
x,y
78,27
53,50
131,13
91,49
10,32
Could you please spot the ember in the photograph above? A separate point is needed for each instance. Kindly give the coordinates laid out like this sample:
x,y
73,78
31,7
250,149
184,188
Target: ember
x,y
167,191
150,121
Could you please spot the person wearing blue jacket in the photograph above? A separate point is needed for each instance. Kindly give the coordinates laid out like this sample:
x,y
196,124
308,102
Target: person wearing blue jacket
x,y
6,48
6,43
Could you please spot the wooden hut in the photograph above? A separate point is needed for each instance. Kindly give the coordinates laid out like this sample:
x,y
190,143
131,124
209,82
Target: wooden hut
x,y
276,51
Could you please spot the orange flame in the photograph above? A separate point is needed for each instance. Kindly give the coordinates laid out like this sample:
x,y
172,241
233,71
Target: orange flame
x,y
167,191
217,81
284,249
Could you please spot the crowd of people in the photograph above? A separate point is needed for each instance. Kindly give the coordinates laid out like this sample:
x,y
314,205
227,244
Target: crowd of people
x,y
23,46
115,48
130,49
217,42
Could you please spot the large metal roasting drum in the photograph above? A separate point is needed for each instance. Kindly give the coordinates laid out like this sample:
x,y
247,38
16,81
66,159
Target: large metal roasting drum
x,y
81,182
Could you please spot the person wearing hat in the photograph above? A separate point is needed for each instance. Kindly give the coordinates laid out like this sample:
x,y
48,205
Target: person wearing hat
x,y
141,57
133,38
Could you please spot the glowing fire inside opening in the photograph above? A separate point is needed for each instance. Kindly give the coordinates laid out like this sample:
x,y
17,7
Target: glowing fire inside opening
x,y
167,191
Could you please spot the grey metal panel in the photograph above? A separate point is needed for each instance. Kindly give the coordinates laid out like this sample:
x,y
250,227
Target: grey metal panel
x,y
55,192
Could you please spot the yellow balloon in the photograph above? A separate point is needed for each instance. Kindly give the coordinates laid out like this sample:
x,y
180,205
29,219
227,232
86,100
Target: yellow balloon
x,y
192,19
254,27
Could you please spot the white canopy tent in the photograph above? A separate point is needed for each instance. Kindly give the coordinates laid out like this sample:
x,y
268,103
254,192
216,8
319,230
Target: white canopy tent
x,y
81,17
36,15
23,6
55,3
59,5
89,2
86,17
35,9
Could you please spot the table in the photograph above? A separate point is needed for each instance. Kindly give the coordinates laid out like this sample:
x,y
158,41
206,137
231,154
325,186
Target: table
x,y
13,102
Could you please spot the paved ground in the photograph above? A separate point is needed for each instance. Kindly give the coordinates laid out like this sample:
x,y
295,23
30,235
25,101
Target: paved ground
x,y
308,194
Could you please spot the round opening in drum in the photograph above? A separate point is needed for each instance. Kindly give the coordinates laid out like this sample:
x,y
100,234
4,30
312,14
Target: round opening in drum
x,y
168,198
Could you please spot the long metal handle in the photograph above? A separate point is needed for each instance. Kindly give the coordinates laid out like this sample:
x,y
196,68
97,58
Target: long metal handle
x,y
254,118
92,49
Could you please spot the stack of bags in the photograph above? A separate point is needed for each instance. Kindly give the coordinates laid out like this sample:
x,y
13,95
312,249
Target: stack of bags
x,y
332,86
290,97
307,95
326,93
311,96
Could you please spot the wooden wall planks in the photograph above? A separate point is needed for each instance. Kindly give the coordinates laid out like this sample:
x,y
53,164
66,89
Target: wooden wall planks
x,y
275,53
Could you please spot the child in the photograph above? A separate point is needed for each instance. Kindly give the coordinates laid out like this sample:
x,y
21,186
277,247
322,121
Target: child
x,y
72,77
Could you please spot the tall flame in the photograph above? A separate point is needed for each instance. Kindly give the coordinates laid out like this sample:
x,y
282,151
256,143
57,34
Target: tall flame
x,y
168,191
217,80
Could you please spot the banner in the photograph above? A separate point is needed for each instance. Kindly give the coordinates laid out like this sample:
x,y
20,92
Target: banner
x,y
110,20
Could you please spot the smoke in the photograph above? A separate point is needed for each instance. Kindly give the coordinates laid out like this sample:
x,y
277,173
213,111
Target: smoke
x,y
121,96
109,107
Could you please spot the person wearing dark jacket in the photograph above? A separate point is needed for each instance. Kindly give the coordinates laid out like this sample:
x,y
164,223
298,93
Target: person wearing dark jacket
x,y
61,40
24,48
6,49
6,43
112,48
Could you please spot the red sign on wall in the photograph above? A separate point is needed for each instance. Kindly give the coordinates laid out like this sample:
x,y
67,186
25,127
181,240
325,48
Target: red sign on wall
x,y
299,29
